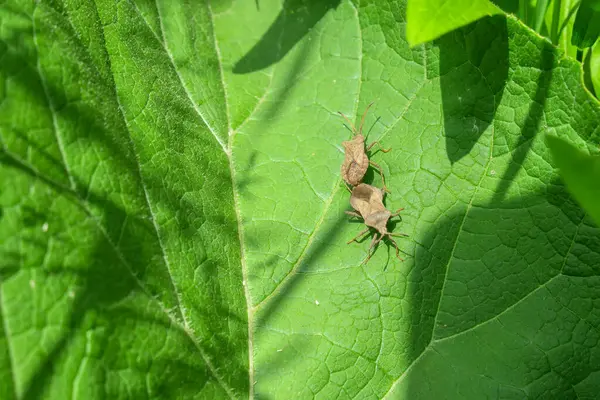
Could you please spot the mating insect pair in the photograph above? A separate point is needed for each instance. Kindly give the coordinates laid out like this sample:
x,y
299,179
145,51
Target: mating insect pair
x,y
367,200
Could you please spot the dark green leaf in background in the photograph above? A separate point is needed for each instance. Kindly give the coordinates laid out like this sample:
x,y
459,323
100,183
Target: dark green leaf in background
x,y
587,24
172,226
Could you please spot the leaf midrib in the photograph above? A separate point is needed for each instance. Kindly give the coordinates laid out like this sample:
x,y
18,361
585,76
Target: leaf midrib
x,y
227,149
236,206
186,328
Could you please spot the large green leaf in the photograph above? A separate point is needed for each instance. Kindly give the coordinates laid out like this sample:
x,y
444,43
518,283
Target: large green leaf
x,y
430,19
581,173
172,212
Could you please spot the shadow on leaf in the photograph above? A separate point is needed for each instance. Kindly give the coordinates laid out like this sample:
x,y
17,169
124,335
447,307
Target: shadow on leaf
x,y
295,20
471,81
533,121
123,261
486,269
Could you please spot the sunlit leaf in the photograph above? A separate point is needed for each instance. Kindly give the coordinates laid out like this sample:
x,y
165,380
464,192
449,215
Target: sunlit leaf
x,y
430,19
172,216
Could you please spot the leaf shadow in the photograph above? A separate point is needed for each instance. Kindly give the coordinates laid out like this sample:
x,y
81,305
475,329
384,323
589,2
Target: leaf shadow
x,y
292,77
501,265
102,287
472,82
532,123
295,20
95,293
247,175
131,234
19,65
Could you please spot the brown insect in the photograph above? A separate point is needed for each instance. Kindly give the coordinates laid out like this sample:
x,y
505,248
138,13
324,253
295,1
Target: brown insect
x,y
367,200
357,161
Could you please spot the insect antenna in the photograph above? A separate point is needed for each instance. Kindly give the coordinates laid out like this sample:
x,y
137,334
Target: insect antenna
x,y
371,128
348,121
362,120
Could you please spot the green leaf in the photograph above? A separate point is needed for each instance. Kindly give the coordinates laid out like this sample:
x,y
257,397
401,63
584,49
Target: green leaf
x,y
430,19
581,173
594,67
587,24
588,75
172,219
540,12
561,21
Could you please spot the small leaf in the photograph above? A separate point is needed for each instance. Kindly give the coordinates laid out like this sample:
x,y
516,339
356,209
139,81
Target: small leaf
x,y
587,24
430,19
581,173
540,13
594,68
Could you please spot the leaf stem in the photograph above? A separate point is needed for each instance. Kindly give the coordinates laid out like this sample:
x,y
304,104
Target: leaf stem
x,y
567,18
555,21
523,5
540,13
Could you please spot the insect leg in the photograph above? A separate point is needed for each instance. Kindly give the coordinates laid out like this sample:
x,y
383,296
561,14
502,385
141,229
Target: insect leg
x,y
397,249
357,236
380,173
398,234
380,148
371,250
397,212
346,186
353,214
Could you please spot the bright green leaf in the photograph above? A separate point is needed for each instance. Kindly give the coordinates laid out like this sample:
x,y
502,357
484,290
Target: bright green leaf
x,y
581,173
587,24
560,22
540,13
172,217
430,19
595,68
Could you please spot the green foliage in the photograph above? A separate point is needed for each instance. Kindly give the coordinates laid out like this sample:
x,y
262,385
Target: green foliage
x,y
540,12
581,173
172,217
594,68
587,24
560,19
429,19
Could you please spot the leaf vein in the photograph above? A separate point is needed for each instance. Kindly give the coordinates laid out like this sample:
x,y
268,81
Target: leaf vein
x,y
185,327
163,44
9,349
84,205
238,217
497,316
